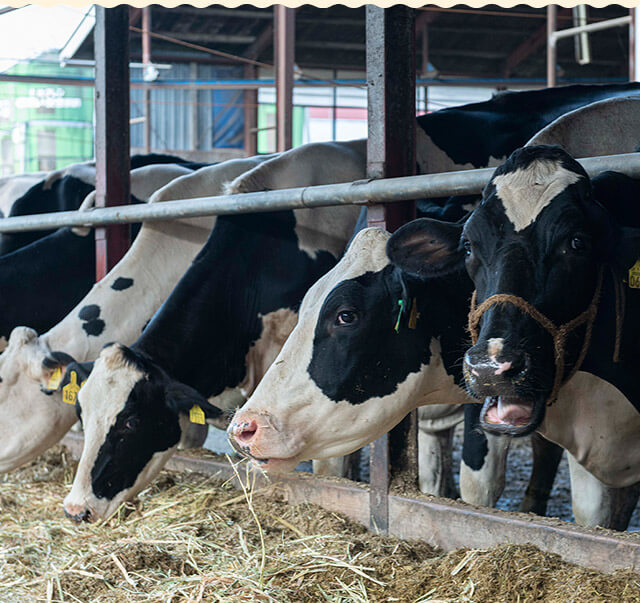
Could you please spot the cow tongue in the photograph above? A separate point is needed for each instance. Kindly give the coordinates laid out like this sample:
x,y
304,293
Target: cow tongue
x,y
508,411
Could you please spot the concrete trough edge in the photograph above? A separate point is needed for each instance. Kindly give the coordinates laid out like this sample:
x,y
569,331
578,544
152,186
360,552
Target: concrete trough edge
x,y
446,524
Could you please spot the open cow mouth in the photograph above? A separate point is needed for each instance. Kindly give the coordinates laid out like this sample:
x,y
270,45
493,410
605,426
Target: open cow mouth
x,y
509,415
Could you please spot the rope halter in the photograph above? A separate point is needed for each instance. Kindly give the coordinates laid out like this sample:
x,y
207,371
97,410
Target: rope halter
x,y
559,334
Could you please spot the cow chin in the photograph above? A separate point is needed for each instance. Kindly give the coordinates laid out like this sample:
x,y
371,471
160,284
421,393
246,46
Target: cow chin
x,y
511,415
276,465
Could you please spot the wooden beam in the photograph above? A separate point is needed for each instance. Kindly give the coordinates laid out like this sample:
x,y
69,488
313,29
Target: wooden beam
x,y
525,49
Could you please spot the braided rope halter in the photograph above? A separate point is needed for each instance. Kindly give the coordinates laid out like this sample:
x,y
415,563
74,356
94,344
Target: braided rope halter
x,y
559,334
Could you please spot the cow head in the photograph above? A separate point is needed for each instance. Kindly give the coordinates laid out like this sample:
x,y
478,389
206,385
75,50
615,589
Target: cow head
x,y
539,240
365,344
27,369
134,416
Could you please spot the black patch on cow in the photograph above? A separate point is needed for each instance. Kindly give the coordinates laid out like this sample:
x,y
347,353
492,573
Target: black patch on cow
x,y
475,446
476,132
143,427
93,325
121,283
367,358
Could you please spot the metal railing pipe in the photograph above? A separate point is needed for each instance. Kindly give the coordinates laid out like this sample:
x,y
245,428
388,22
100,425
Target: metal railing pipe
x,y
388,190
599,26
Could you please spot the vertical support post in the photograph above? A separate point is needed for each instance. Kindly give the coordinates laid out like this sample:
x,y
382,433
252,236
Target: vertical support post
x,y
250,115
334,109
195,113
634,45
391,76
111,46
552,58
284,30
146,61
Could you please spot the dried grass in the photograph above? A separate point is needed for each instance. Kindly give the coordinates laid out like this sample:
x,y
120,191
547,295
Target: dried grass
x,y
191,538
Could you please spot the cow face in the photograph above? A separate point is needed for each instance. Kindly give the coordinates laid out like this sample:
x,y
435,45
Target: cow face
x,y
354,365
540,238
26,368
133,417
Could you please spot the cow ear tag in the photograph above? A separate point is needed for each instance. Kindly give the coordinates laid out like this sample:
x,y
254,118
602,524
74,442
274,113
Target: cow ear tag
x,y
55,379
634,275
401,304
196,415
413,315
71,389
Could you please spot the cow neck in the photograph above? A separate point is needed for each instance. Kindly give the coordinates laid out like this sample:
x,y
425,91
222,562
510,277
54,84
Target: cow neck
x,y
251,265
559,333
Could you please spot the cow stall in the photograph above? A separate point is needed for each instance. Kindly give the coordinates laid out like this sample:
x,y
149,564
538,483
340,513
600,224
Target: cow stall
x,y
391,504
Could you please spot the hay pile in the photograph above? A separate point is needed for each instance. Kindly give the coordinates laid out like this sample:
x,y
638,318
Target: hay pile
x,y
193,539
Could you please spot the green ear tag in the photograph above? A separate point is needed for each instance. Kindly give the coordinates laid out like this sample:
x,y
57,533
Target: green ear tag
x,y
401,304
71,389
196,415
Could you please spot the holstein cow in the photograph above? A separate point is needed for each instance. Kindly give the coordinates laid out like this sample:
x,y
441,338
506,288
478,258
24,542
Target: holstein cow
x,y
117,308
14,186
42,282
219,330
553,318
64,190
605,127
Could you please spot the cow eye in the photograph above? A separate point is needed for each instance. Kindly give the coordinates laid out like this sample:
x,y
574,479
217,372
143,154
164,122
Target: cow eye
x,y
346,317
466,245
578,244
131,423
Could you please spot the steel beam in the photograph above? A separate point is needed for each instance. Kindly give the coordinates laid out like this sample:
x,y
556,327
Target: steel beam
x,y
284,29
391,76
250,115
111,48
392,190
146,61
552,55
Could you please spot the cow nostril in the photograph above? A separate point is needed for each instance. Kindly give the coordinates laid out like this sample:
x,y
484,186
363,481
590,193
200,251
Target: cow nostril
x,y
246,431
78,517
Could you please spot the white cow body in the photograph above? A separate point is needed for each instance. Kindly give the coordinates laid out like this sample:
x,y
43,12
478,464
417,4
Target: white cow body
x,y
30,421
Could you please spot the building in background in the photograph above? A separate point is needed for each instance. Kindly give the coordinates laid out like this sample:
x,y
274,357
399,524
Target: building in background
x,y
44,126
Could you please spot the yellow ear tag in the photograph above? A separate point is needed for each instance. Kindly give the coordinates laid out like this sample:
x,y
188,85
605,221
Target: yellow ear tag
x,y
196,415
55,379
634,276
413,315
71,389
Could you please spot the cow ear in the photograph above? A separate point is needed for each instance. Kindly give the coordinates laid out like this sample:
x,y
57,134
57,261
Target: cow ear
x,y
78,372
182,399
54,365
427,248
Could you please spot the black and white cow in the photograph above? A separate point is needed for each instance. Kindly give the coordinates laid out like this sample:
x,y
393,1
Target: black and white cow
x,y
542,240
60,267
117,308
14,186
65,190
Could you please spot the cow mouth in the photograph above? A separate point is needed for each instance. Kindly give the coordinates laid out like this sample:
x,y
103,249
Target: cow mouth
x,y
510,415
280,465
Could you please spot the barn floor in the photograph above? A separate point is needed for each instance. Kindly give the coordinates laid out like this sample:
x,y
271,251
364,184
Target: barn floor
x,y
190,538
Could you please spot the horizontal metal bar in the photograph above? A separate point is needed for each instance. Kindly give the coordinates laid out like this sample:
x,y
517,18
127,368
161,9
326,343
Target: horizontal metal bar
x,y
600,25
389,190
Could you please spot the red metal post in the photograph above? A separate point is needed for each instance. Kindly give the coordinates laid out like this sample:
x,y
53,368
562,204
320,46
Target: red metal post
x,y
284,31
111,41
391,76
250,115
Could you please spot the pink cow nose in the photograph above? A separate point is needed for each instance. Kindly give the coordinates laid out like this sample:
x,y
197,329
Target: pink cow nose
x,y
245,432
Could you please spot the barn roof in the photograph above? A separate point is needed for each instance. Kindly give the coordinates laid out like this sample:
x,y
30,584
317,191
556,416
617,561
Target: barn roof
x,y
489,42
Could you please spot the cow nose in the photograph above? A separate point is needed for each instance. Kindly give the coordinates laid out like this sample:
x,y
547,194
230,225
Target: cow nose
x,y
77,513
484,368
244,432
